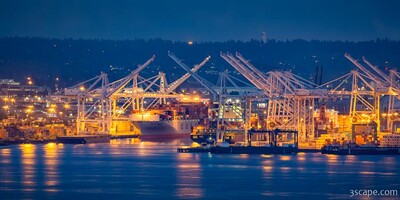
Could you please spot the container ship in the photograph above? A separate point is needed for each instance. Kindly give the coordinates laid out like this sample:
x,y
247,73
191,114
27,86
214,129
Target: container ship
x,y
175,120
154,129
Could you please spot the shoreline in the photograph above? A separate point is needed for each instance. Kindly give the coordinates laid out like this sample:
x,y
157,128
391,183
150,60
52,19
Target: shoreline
x,y
7,143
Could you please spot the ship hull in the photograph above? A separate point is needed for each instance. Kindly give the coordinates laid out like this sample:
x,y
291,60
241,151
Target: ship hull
x,y
164,136
165,129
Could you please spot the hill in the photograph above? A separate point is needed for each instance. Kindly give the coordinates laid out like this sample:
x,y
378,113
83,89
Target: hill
x,y
74,60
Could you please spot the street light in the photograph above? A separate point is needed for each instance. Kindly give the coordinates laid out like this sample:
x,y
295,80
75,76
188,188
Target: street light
x,y
29,81
67,106
52,110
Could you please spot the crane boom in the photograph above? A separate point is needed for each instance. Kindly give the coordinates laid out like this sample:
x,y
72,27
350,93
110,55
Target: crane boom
x,y
178,82
244,71
144,65
252,67
363,69
128,78
195,76
383,75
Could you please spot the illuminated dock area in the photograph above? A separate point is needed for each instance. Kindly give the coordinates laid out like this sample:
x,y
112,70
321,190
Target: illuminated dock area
x,y
84,139
242,112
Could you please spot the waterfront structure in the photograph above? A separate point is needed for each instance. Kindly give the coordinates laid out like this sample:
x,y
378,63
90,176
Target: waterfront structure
x,y
112,107
9,87
391,140
276,99
292,99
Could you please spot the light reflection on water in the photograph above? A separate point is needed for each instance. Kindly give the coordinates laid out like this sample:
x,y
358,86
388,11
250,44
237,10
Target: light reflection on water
x,y
284,158
51,160
28,169
188,177
136,169
6,174
301,157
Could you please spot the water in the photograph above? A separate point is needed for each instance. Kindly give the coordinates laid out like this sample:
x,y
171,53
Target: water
x,y
125,169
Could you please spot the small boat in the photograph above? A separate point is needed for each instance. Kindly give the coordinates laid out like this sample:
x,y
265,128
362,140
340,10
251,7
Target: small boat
x,y
209,136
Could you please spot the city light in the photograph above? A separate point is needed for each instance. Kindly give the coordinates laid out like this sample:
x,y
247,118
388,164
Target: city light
x,y
29,81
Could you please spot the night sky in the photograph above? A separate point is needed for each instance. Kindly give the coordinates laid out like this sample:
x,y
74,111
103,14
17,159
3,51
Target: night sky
x,y
202,20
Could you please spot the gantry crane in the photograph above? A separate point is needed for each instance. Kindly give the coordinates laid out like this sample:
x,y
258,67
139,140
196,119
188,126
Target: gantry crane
x,y
167,89
290,98
393,93
202,81
92,106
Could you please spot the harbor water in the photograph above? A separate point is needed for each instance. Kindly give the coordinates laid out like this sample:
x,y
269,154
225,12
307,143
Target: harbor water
x,y
130,169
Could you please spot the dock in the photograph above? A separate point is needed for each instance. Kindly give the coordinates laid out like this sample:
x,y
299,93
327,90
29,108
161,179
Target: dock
x,y
309,150
240,150
84,139
361,150
125,136
193,150
253,150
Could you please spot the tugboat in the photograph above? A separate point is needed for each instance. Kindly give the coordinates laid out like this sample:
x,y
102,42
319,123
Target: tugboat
x,y
209,136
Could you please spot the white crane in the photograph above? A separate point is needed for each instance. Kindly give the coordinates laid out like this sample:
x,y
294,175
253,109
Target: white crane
x,y
380,82
202,81
171,87
124,81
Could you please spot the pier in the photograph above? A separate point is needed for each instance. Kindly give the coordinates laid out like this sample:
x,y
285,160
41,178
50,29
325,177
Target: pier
x,y
243,110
